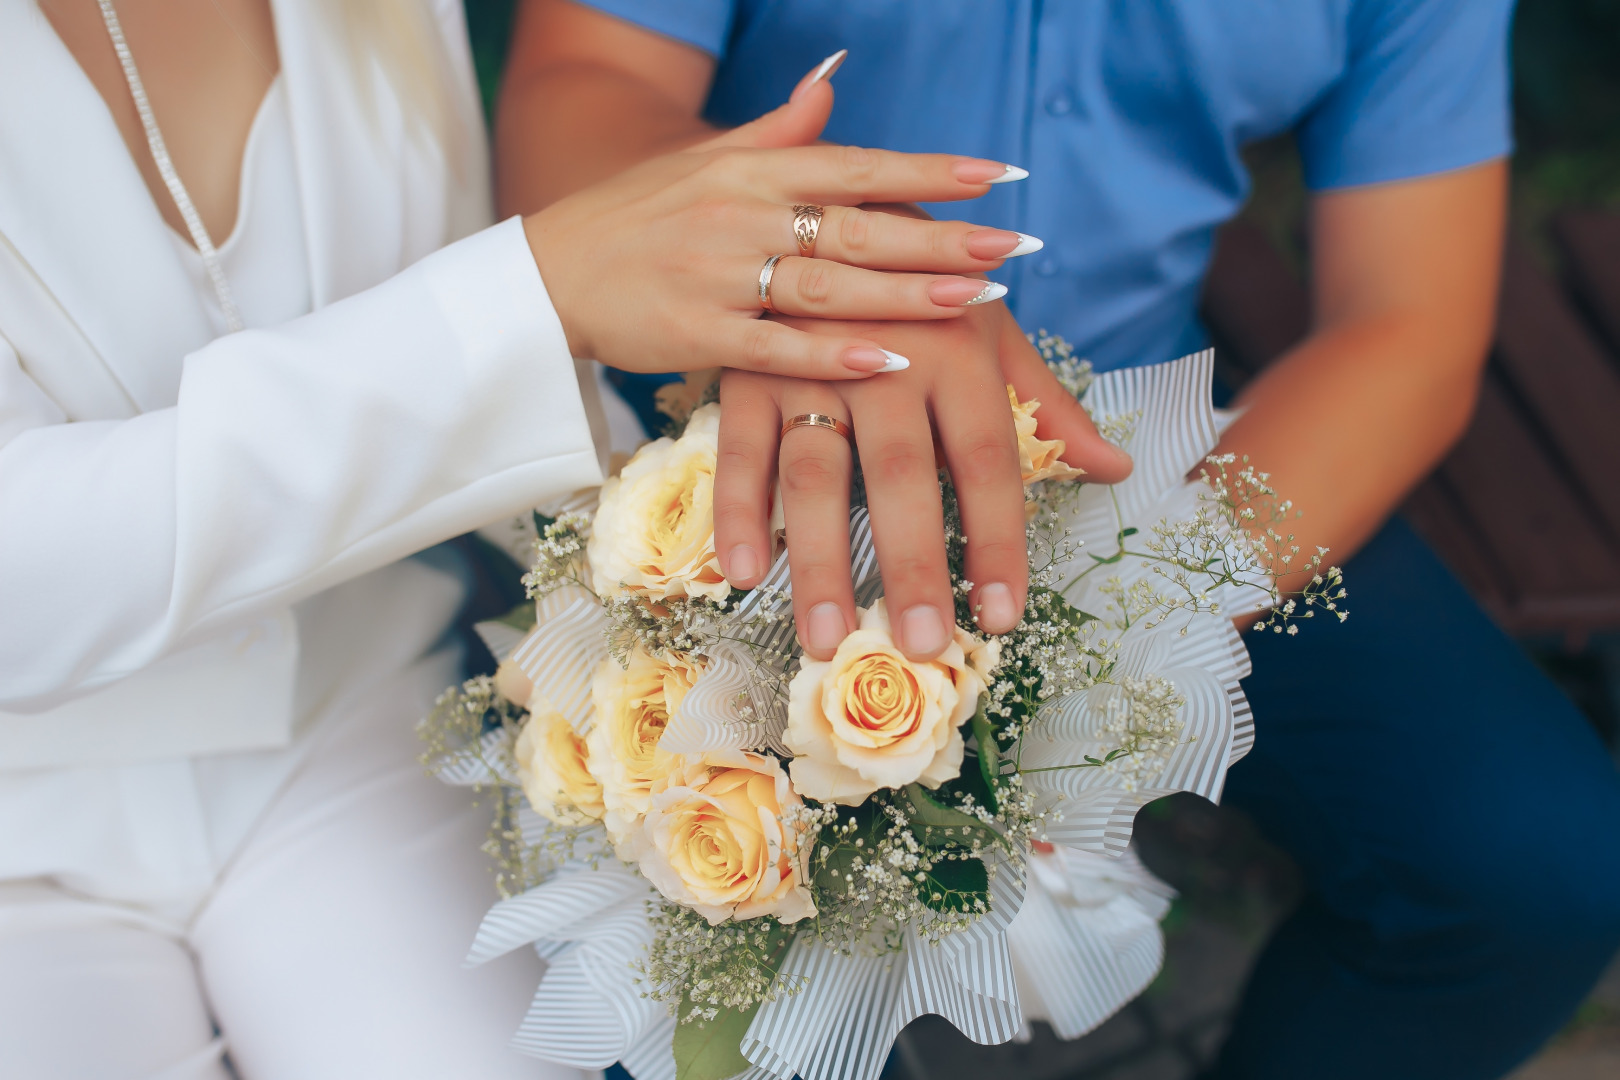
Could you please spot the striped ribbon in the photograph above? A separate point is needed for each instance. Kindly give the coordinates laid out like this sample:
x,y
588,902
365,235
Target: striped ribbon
x,y
1071,943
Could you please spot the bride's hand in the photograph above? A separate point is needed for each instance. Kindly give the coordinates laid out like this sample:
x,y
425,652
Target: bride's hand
x,y
657,269
959,380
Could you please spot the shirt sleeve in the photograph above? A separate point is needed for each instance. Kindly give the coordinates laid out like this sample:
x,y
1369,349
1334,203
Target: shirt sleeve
x,y
705,24
1424,90
296,458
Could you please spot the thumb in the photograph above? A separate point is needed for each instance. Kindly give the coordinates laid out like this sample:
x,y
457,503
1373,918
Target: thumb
x,y
1060,415
797,123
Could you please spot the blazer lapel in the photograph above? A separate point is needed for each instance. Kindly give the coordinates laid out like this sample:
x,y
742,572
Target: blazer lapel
x,y
348,161
85,248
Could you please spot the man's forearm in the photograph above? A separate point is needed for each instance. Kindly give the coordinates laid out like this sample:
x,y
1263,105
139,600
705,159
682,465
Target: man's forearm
x,y
587,96
1346,424
1405,280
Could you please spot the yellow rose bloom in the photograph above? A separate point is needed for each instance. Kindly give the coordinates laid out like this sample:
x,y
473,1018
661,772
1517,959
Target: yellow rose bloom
x,y
714,839
633,705
869,718
552,765
1038,459
653,534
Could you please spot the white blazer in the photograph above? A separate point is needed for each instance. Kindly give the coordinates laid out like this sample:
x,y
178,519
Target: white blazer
x,y
166,500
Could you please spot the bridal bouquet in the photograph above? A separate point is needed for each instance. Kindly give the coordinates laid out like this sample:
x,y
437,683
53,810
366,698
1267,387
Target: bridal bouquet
x,y
739,861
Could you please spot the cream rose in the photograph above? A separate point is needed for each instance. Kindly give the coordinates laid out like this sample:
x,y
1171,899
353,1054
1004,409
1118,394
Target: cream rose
x,y
654,531
633,706
552,765
1038,459
714,839
869,718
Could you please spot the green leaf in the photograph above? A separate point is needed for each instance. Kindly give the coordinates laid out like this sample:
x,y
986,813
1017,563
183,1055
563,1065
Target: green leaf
x,y
711,1049
989,750
941,825
955,885
1061,609
521,618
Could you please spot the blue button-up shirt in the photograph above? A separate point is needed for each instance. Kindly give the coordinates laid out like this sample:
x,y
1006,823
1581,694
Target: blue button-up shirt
x,y
1129,115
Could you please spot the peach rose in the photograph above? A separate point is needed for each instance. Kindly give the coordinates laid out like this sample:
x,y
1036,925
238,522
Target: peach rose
x,y
653,534
714,839
552,764
1038,459
869,718
633,706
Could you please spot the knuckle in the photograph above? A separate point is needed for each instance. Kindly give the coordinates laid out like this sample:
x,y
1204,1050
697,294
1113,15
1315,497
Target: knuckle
x,y
983,458
734,517
810,474
900,464
854,231
857,164
814,284
1003,552
738,458
759,346
910,571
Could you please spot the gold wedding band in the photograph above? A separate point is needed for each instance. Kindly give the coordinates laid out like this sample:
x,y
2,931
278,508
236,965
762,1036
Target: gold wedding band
x,y
806,224
820,420
767,272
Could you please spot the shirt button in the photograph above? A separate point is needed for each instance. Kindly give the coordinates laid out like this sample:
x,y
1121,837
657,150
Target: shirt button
x,y
1060,102
1047,267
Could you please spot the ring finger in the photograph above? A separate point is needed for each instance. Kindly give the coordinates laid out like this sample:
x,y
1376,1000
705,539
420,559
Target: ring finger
x,y
814,464
823,289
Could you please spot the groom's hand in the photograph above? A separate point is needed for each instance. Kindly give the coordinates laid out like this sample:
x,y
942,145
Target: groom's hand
x,y
957,386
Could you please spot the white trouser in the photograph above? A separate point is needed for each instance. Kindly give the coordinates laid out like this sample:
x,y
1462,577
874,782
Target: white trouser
x,y
330,945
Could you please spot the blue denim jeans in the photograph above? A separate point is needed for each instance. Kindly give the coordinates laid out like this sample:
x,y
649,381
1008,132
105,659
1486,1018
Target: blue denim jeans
x,y
1458,825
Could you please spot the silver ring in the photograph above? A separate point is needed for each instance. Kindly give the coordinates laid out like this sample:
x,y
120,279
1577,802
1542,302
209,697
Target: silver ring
x,y
767,272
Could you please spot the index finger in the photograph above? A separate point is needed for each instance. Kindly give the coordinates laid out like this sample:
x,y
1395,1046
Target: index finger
x,y
850,175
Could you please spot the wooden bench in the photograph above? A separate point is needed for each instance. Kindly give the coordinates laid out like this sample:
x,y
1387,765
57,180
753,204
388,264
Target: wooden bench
x,y
1526,508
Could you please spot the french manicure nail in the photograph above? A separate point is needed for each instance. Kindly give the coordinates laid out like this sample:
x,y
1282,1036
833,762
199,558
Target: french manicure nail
x,y
993,290
1001,244
959,292
825,627
978,171
996,612
922,631
743,563
824,70
877,361
1027,245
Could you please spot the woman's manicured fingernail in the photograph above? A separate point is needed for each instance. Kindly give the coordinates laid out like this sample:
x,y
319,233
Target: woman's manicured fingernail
x,y
993,290
978,171
1001,244
743,565
877,361
922,631
996,612
960,292
825,627
824,70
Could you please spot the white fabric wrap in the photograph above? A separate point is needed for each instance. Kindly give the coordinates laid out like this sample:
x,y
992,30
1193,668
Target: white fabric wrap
x,y
295,458
1072,934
